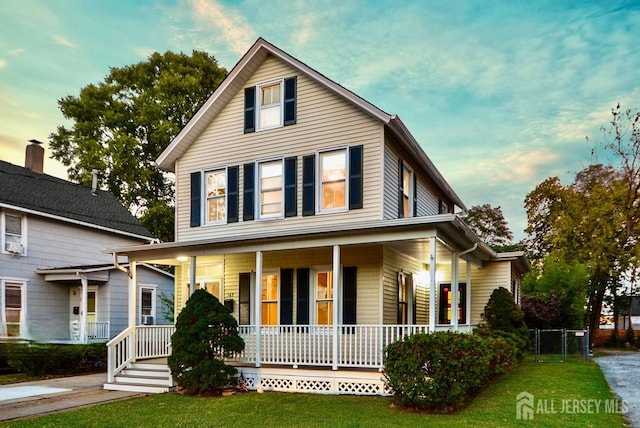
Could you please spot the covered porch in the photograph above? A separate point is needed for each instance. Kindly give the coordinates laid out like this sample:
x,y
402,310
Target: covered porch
x,y
399,267
86,322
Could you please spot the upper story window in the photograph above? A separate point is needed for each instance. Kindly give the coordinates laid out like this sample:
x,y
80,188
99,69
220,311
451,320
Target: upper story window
x,y
407,191
407,196
270,182
333,180
13,233
270,105
216,188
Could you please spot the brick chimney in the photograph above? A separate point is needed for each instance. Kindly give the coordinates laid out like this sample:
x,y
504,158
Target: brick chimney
x,y
34,157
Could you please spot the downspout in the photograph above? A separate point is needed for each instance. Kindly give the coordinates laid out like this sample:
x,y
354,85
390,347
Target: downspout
x,y
468,291
119,266
475,247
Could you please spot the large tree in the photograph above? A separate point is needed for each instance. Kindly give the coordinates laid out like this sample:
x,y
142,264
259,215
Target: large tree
x,y
121,125
596,219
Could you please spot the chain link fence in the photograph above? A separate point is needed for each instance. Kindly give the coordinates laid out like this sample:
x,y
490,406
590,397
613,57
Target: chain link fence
x,y
560,345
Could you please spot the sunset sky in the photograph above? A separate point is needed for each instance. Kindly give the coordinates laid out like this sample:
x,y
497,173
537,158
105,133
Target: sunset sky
x,y
500,94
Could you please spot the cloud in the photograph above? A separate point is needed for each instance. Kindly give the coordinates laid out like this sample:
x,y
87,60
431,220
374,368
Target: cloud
x,y
3,63
62,41
14,52
236,31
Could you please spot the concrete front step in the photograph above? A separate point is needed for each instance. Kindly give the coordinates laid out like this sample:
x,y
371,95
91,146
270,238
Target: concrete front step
x,y
161,374
130,387
143,380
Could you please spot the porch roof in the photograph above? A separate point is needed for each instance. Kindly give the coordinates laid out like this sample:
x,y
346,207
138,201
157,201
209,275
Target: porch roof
x,y
410,235
94,273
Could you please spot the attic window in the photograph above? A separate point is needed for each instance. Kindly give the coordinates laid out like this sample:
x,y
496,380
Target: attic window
x,y
270,105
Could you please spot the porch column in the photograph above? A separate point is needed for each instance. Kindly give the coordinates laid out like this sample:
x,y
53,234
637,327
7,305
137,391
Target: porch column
x,y
83,309
192,276
258,305
432,285
133,294
468,314
454,291
336,292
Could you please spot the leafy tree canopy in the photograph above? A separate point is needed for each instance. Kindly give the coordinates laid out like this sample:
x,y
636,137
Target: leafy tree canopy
x,y
489,224
122,124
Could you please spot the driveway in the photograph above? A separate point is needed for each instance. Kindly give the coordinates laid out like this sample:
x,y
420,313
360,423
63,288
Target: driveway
x,y
43,397
622,371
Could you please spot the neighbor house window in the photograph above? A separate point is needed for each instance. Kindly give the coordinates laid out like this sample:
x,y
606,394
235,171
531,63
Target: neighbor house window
x,y
333,180
13,233
324,298
270,183
148,304
216,188
270,291
446,303
13,299
270,105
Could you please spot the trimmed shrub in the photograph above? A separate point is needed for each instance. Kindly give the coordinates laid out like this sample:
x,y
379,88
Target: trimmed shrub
x,y
49,359
504,318
442,370
206,333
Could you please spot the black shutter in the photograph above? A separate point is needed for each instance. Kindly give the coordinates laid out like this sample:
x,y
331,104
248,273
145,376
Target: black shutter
x,y
462,302
247,194
415,195
302,296
233,197
308,185
291,187
355,177
400,189
249,109
244,300
411,289
349,294
286,296
290,101
196,197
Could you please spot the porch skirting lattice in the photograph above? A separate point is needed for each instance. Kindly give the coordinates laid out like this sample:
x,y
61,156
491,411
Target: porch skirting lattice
x,y
353,382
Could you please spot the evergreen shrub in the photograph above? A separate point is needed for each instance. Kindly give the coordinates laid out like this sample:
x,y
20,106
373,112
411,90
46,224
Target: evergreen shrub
x,y
206,333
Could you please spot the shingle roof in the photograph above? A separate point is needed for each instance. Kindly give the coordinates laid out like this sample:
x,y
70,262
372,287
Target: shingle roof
x,y
42,193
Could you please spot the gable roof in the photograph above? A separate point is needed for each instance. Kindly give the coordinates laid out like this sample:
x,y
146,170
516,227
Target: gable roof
x,y
245,68
42,194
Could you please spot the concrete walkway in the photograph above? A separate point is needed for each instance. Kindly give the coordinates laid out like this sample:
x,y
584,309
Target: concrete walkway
x,y
43,397
622,372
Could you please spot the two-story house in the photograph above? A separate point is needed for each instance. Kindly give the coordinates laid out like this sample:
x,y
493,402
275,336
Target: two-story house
x,y
319,220
56,283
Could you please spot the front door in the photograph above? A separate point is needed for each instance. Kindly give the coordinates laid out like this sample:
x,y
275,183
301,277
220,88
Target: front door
x,y
75,307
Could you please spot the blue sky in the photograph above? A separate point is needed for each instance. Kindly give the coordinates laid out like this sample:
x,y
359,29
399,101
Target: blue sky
x,y
500,94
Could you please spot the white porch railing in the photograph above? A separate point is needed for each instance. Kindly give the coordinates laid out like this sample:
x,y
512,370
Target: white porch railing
x,y
312,345
98,330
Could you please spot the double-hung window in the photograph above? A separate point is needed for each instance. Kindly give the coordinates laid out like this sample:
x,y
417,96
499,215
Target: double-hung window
x,y
333,192
271,191
324,298
13,304
446,303
13,233
407,191
269,298
216,193
270,105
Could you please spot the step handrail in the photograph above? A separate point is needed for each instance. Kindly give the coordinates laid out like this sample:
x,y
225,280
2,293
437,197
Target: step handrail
x,y
120,352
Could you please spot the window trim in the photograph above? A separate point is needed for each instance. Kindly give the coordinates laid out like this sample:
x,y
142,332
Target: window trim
x,y
259,107
3,232
205,198
258,190
318,177
22,283
202,286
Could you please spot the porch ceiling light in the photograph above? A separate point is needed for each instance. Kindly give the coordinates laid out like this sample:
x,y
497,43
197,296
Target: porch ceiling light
x,y
182,258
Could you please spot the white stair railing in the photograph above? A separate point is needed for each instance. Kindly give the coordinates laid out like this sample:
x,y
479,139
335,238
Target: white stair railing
x,y
120,352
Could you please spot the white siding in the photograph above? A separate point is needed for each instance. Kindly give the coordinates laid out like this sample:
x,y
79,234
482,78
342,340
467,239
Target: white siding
x,y
323,121
393,263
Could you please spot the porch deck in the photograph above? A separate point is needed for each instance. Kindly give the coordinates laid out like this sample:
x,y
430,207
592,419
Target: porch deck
x,y
343,359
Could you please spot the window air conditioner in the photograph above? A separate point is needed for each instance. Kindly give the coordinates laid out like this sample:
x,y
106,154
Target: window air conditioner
x,y
15,247
147,320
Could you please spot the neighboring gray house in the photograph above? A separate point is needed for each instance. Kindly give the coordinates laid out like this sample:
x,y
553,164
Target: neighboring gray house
x,y
56,283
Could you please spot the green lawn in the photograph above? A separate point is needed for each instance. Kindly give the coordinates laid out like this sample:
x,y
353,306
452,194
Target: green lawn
x,y
494,407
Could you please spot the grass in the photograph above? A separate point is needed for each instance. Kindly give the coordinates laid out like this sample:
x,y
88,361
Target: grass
x,y
494,407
